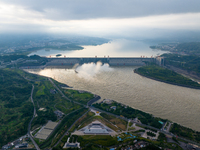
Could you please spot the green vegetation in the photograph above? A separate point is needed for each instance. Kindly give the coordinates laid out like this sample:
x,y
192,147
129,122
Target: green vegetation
x,y
79,96
67,106
189,63
184,132
104,140
138,131
190,47
150,129
16,108
130,124
129,112
162,137
63,47
81,120
22,60
173,138
62,128
166,75
116,121
151,134
150,147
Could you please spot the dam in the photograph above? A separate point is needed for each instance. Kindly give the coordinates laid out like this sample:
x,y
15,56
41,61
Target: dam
x,y
113,61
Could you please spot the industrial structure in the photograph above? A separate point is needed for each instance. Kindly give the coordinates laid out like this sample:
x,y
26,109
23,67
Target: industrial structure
x,y
114,61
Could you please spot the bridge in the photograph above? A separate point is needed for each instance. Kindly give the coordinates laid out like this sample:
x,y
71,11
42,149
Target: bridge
x,y
112,61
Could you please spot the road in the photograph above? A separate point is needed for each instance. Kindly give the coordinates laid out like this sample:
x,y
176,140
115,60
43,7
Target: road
x,y
29,126
144,125
123,118
63,94
69,129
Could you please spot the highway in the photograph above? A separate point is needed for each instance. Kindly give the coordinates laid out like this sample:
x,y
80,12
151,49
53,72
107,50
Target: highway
x,y
29,126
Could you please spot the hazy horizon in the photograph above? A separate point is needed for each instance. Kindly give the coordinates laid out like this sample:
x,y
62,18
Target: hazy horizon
x,y
110,19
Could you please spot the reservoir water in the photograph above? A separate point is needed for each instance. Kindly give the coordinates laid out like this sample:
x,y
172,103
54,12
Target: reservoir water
x,y
115,48
179,104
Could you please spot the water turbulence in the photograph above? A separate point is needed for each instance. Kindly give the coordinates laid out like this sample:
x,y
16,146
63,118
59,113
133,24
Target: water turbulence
x,y
90,70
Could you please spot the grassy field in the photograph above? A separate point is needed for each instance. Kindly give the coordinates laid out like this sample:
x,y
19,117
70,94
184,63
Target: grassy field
x,y
44,98
116,121
66,106
82,97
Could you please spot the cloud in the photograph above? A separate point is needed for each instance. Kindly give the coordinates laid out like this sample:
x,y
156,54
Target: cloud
x,y
98,16
92,9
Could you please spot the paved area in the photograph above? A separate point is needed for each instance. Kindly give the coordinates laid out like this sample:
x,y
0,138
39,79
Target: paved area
x,y
44,132
95,128
144,135
51,125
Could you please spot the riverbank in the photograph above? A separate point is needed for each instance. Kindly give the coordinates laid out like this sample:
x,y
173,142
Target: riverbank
x,y
167,76
190,74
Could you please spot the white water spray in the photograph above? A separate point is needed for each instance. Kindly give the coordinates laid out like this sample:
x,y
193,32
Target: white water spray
x,y
89,70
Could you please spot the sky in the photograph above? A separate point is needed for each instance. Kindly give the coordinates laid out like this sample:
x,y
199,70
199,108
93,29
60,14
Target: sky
x,y
99,17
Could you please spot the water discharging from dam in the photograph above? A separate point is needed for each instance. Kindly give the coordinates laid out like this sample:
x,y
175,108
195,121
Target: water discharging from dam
x,y
120,83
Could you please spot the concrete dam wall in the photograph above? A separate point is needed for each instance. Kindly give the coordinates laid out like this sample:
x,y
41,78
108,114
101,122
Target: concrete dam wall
x,y
134,61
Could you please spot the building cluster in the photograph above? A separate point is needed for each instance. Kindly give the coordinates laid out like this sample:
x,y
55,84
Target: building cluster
x,y
166,47
32,44
59,114
19,143
53,91
71,145
136,145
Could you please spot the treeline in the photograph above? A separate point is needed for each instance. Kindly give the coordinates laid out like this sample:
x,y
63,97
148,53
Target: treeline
x,y
21,60
130,112
185,132
189,63
191,47
44,116
166,75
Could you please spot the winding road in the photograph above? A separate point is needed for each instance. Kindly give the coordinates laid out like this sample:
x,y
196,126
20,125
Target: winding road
x,y
29,126
123,118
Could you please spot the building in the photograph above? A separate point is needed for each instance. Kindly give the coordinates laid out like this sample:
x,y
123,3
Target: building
x,y
23,145
71,145
96,128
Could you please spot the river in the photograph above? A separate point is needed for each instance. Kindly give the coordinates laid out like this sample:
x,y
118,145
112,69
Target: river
x,y
178,104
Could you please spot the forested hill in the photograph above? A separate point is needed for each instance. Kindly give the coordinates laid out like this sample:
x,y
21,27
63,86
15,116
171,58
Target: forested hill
x,y
189,47
16,108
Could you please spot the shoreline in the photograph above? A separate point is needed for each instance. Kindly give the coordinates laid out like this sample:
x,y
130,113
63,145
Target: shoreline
x,y
187,86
